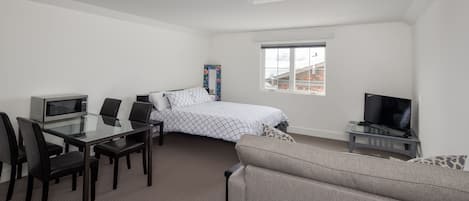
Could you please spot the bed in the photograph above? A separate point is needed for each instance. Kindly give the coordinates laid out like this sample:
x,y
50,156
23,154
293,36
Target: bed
x,y
217,119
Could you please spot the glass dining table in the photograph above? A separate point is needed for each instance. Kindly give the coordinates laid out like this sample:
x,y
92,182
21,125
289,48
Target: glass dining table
x,y
93,129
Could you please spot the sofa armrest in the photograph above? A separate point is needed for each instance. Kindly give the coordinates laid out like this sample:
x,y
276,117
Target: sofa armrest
x,y
231,170
228,174
236,188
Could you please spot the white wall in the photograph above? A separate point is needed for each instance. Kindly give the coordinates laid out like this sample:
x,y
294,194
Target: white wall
x,y
442,46
46,49
373,58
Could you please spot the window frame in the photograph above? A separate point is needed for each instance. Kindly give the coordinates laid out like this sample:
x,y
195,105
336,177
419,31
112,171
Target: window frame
x,y
291,90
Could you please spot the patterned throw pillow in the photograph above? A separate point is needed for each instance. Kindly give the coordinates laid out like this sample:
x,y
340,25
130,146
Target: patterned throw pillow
x,y
456,162
200,95
272,132
180,98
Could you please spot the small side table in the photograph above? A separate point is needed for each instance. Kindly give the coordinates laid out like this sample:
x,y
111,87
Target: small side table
x,y
372,137
160,124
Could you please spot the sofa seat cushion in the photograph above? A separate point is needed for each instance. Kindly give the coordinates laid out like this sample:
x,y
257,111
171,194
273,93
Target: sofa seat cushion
x,y
267,185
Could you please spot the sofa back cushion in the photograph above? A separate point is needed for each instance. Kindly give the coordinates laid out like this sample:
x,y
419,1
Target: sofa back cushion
x,y
388,178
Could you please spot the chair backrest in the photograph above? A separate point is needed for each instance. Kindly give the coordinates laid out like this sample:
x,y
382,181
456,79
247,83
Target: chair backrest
x,y
110,107
35,148
8,144
140,112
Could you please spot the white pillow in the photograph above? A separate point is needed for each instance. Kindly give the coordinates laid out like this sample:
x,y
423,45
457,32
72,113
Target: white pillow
x,y
160,101
200,95
180,98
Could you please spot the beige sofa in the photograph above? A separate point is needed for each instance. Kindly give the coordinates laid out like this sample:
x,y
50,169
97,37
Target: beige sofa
x,y
274,170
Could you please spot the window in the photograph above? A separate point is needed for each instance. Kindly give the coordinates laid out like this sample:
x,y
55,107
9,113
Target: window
x,y
297,68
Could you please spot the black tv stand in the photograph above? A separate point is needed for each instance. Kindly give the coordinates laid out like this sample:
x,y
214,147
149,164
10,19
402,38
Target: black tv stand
x,y
363,123
382,138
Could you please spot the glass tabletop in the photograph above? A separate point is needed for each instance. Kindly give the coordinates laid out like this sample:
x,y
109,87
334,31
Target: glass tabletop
x,y
93,128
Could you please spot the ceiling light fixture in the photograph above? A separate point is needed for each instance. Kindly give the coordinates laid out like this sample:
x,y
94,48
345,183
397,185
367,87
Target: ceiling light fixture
x,y
259,2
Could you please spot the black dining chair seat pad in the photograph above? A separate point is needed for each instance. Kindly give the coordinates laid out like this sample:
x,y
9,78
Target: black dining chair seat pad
x,y
52,149
69,163
119,147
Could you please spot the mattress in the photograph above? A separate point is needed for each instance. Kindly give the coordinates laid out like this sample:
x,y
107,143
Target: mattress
x,y
221,120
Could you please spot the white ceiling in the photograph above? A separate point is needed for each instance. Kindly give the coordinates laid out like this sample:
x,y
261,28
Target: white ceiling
x,y
243,15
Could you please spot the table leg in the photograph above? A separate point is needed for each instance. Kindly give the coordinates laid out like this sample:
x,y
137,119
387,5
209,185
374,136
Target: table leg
x,y
161,134
150,157
86,173
351,143
413,149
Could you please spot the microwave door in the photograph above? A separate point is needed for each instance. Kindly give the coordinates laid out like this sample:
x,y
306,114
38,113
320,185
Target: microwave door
x,y
63,109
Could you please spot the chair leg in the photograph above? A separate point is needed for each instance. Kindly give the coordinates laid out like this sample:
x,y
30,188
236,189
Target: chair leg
x,y
161,138
19,173
11,186
58,179
1,168
74,181
128,161
94,178
67,147
96,170
144,160
97,155
116,172
29,191
45,190
110,160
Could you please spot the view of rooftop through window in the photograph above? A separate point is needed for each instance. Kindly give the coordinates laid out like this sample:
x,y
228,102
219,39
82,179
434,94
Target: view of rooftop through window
x,y
295,69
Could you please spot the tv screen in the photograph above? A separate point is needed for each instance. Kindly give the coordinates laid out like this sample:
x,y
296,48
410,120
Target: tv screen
x,y
388,111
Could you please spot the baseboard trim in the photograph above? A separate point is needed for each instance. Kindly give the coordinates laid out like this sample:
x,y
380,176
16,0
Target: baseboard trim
x,y
321,133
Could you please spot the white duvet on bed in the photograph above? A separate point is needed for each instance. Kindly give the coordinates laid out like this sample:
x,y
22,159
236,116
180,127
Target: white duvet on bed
x,y
222,120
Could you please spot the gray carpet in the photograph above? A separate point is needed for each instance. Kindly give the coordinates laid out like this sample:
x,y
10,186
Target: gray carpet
x,y
186,168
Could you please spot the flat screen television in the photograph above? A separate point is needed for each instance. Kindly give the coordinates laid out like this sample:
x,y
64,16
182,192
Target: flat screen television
x,y
388,111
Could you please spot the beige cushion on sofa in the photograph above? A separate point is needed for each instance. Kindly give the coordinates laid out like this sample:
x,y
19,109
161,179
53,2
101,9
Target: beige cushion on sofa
x,y
394,179
267,185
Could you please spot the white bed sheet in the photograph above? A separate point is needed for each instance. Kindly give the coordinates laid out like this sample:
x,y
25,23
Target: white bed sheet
x,y
222,120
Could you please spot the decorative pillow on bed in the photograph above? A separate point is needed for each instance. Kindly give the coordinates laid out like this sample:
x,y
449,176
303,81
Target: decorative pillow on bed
x,y
180,98
160,101
200,95
456,162
272,132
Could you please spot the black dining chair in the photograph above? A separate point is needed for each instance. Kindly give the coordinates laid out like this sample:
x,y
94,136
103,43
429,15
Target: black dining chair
x,y
140,113
110,108
11,153
53,150
41,167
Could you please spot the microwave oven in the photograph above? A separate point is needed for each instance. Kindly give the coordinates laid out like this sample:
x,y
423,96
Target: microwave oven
x,y
58,107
